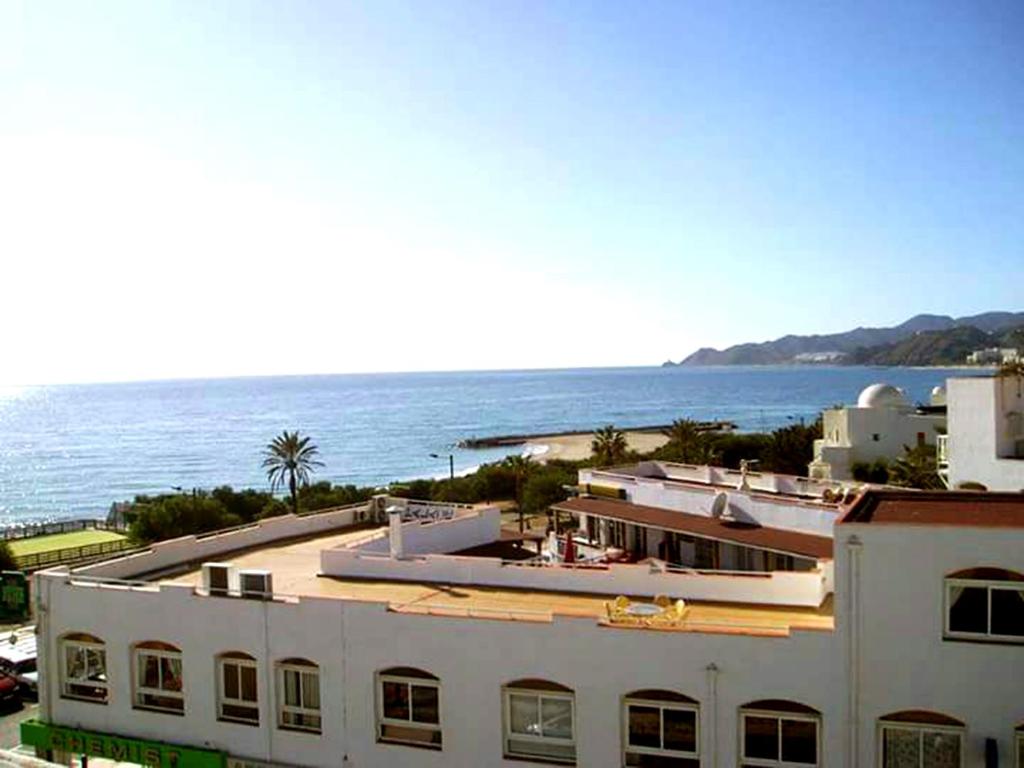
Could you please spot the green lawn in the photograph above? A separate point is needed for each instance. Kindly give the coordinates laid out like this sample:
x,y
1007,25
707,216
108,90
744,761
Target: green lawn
x,y
21,547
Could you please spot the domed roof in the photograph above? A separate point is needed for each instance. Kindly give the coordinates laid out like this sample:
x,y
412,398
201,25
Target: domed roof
x,y
938,395
881,396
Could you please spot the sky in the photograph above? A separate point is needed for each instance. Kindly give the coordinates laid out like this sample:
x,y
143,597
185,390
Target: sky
x,y
194,189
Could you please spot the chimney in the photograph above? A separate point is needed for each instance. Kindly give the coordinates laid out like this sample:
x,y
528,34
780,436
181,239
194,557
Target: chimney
x,y
395,532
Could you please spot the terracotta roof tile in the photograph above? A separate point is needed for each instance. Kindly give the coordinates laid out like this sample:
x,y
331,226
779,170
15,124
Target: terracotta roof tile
x,y
976,509
761,537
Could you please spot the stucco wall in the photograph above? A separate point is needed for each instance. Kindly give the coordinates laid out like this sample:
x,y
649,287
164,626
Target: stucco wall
x,y
979,437
904,661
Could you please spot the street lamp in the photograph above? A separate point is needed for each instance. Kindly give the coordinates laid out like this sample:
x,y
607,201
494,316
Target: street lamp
x,y
451,462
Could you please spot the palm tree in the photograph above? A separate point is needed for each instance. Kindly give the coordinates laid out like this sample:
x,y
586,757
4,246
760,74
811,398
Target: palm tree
x,y
609,445
690,443
290,458
521,467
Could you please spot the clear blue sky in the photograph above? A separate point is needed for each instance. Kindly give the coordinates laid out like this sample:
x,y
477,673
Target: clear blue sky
x,y
229,188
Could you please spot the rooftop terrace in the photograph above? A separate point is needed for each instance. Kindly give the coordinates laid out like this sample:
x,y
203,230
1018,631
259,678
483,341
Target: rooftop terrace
x,y
295,566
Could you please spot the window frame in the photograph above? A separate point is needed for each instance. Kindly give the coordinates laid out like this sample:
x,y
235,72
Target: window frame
x,y
508,734
238,659
382,720
661,705
921,729
77,642
952,582
301,668
140,690
779,715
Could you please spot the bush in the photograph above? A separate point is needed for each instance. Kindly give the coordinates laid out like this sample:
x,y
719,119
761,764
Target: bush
x,y
7,561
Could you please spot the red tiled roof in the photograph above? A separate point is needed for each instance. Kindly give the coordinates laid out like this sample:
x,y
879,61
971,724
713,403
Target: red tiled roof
x,y
976,509
774,539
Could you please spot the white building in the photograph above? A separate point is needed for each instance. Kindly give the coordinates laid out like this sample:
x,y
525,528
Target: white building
x,y
415,646
994,356
880,426
985,442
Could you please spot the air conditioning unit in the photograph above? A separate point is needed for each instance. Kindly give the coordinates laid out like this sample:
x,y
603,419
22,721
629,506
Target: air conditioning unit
x,y
219,579
255,584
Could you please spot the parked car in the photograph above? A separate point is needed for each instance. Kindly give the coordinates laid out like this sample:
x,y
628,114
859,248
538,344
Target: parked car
x,y
18,660
10,692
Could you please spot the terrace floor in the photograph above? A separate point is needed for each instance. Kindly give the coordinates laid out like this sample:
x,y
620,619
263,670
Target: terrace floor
x,y
295,567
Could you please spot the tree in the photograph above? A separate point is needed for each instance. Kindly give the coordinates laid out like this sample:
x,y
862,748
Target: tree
x,y
290,458
790,449
7,561
521,467
688,443
916,468
609,445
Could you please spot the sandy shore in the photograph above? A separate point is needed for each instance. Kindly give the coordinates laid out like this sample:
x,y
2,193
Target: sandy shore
x,y
577,447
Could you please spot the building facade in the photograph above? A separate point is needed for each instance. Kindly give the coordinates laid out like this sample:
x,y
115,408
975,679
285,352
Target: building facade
x,y
394,647
985,442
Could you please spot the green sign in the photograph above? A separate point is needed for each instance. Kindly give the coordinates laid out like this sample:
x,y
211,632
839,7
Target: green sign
x,y
150,753
13,595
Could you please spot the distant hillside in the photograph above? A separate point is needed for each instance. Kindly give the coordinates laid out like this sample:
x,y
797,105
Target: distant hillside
x,y
927,348
839,347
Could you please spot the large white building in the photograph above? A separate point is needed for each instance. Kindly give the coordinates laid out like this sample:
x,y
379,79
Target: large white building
x,y
881,425
887,629
985,441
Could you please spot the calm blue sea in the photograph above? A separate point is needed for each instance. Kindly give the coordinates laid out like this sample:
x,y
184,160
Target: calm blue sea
x,y
69,451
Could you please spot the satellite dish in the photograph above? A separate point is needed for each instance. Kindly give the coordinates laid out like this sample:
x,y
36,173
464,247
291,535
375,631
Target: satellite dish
x,y
720,505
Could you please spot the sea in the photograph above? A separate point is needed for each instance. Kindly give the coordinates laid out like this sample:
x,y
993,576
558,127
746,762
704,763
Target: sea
x,y
69,451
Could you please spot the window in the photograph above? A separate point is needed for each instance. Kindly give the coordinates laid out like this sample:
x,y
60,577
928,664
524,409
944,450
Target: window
x,y
409,707
779,733
920,739
985,604
84,668
1019,746
299,682
158,681
237,700
660,730
539,721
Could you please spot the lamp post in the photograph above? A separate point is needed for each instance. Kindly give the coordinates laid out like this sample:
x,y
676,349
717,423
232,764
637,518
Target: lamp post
x,y
451,463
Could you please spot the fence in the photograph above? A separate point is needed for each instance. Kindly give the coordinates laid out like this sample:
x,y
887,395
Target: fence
x,y
63,526
38,560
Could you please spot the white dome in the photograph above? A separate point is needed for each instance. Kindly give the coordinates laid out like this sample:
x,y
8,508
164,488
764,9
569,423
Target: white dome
x,y
881,396
938,395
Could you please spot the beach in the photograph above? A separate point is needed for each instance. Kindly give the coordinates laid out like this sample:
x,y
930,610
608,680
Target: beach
x,y
577,447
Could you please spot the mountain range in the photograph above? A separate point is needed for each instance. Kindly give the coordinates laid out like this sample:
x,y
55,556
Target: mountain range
x,y
869,346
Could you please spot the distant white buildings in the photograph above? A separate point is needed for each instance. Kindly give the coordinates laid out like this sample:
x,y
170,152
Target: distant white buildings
x,y
985,443
781,627
994,356
880,426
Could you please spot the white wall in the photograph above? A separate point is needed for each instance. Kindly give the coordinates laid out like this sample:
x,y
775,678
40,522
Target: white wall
x,y
472,658
468,529
980,434
903,660
805,516
804,588
167,554
849,436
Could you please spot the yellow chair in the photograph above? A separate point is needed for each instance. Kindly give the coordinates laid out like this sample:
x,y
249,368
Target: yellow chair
x,y
621,603
662,602
679,610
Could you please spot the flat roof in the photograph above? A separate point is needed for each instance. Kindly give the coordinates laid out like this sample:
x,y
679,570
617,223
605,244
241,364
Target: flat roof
x,y
295,567
973,509
762,537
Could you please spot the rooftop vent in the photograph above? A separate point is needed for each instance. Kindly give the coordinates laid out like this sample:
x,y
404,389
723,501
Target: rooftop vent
x,y
219,579
255,584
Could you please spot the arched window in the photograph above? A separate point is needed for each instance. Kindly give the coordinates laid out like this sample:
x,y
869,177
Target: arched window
x,y
158,677
237,697
298,683
775,732
920,739
84,668
539,720
409,707
985,604
660,728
